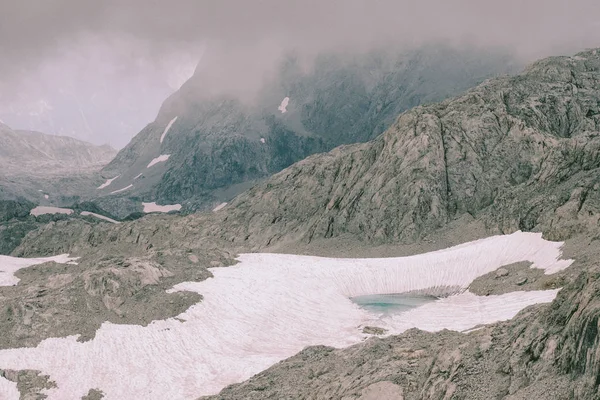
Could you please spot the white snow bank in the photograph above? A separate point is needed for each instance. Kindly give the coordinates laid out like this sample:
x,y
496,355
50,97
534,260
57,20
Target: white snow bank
x,y
10,265
153,207
269,307
162,137
108,182
40,210
161,158
219,207
283,106
121,190
99,217
9,390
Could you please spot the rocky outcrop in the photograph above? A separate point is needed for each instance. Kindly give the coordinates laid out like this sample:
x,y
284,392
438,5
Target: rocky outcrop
x,y
516,152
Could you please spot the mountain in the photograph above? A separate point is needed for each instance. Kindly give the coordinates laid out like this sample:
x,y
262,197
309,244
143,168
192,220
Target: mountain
x,y
514,153
48,168
203,149
41,154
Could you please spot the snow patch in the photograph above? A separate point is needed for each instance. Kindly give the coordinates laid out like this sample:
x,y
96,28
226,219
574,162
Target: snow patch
x,y
9,389
138,175
41,210
153,207
10,265
161,158
108,182
283,106
91,214
162,137
269,307
262,140
121,190
46,196
219,207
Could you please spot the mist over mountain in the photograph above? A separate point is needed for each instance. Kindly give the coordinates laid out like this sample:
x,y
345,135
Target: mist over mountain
x,y
77,59
205,147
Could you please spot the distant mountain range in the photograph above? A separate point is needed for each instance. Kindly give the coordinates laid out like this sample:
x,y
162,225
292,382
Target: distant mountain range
x,y
39,154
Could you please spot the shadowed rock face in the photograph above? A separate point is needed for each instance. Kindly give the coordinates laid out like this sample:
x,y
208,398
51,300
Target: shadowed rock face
x,y
220,146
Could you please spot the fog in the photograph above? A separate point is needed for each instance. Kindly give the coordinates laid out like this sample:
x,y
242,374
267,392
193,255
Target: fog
x,y
99,70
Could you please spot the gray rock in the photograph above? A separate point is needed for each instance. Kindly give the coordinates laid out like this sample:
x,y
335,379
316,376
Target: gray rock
x,y
522,281
501,272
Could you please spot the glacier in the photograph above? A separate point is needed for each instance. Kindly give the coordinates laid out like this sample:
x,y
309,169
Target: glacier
x,y
270,306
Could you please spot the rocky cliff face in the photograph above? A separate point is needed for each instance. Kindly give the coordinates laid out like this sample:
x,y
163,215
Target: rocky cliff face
x,y
217,147
516,152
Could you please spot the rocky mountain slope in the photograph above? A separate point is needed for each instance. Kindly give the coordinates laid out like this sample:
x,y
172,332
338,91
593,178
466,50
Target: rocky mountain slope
x,y
41,154
202,150
514,153
47,168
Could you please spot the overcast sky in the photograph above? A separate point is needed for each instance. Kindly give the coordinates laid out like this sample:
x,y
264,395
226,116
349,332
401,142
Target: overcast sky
x,y
110,63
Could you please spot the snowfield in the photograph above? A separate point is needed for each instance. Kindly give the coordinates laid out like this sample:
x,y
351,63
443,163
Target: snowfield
x,y
269,307
159,159
153,207
121,190
283,106
10,265
91,214
41,210
107,183
219,207
167,128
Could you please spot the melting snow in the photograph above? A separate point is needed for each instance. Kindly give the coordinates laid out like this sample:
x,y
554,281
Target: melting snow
x,y
283,106
219,207
40,210
9,389
99,217
269,307
121,190
10,265
162,137
161,158
153,207
108,182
